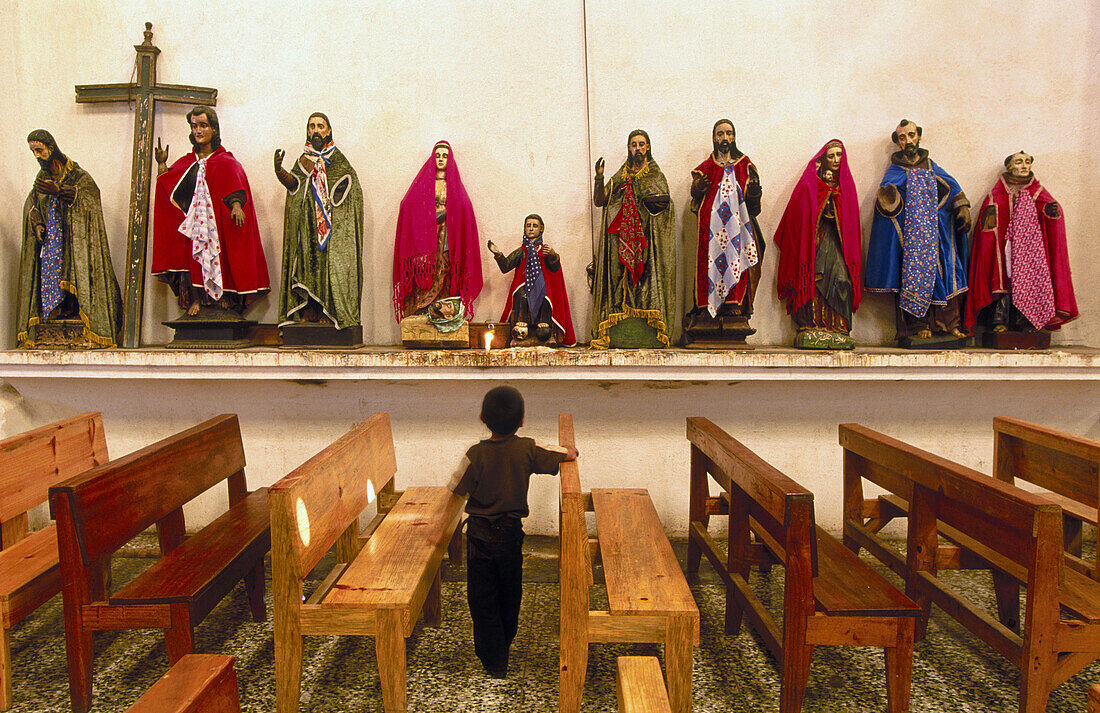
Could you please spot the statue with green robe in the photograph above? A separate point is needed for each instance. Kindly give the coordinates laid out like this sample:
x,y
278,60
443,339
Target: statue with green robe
x,y
322,273
68,295
634,270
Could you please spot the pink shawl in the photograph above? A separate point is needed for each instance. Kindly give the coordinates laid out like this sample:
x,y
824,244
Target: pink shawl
x,y
797,228
415,246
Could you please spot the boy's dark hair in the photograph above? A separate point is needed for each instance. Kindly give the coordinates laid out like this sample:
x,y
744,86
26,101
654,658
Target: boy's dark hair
x,y
502,410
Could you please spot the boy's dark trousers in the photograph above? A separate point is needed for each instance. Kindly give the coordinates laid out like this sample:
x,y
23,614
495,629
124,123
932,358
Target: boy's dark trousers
x,y
494,586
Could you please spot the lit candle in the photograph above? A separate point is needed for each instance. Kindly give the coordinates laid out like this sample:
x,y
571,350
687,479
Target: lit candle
x,y
488,340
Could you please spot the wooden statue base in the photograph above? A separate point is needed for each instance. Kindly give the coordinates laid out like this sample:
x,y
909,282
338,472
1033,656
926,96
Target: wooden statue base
x,y
701,331
313,334
63,334
936,341
1016,340
211,328
418,333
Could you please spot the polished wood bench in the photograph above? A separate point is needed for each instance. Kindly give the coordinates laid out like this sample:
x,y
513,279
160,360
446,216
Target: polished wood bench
x,y
1094,698
380,586
197,683
102,509
29,464
640,686
830,597
648,597
1067,467
959,518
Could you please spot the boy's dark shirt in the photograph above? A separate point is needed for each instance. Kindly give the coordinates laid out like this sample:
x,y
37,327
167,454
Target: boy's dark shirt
x,y
499,472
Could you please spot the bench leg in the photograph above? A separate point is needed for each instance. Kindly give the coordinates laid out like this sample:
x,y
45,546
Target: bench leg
x,y
1007,591
795,669
678,662
179,639
454,547
288,665
433,603
573,667
5,672
899,667
389,645
78,656
254,586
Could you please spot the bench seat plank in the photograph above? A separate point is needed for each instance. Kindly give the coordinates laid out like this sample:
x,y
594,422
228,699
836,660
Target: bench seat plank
x,y
847,585
392,566
633,542
186,572
198,683
641,685
29,575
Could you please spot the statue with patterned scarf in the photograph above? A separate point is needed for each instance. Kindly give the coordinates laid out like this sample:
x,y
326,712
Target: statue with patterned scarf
x,y
634,271
65,269
322,273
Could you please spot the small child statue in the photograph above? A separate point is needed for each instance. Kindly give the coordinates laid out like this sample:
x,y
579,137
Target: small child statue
x,y
537,294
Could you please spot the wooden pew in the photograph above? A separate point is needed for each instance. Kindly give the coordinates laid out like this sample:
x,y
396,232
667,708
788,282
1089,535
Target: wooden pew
x,y
1067,467
648,597
640,686
197,683
379,587
987,524
102,509
29,464
1094,698
830,597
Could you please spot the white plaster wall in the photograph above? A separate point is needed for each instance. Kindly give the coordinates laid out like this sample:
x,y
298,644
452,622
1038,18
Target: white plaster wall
x,y
629,434
505,82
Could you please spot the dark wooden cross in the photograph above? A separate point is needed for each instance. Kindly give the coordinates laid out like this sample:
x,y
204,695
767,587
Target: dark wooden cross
x,y
144,92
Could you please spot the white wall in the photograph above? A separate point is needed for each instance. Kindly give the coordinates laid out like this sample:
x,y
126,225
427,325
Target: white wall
x,y
505,83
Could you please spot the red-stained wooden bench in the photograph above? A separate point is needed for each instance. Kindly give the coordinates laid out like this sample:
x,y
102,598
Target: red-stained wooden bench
x,y
102,509
197,683
29,464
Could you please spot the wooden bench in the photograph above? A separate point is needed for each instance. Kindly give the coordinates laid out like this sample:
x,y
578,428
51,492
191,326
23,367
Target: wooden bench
x,y
197,683
648,597
640,686
1094,698
29,464
106,507
987,524
1067,467
830,597
378,588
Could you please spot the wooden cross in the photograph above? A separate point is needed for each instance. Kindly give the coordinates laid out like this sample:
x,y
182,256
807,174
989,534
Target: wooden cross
x,y
144,92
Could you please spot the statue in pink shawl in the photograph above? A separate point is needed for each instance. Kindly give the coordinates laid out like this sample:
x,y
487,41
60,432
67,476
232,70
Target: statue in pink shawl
x,y
436,253
819,239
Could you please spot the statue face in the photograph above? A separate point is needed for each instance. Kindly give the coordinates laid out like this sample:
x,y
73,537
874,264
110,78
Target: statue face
x,y
41,152
532,228
832,158
1019,165
723,138
318,128
637,148
908,139
441,155
201,129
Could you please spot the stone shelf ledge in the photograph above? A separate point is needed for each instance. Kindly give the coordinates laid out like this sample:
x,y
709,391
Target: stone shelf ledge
x,y
541,363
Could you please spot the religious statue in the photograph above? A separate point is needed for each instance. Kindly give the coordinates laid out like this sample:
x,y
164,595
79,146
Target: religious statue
x,y
322,274
206,242
537,295
820,243
1020,283
68,295
634,270
725,194
919,245
436,254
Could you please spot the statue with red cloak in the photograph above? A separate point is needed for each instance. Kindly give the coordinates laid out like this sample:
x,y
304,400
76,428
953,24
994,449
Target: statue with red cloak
x,y
819,240
725,194
1020,283
537,295
206,241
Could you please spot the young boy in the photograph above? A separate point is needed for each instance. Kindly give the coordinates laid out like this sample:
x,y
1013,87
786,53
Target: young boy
x,y
495,474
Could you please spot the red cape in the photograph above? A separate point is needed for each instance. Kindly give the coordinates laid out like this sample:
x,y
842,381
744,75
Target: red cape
x,y
796,233
555,293
713,172
244,268
988,273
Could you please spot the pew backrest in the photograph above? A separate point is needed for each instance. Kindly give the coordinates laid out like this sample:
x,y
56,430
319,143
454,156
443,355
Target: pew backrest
x,y
114,502
1060,462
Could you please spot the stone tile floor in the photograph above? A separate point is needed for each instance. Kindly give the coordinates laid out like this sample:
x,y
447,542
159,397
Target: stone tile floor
x,y
952,671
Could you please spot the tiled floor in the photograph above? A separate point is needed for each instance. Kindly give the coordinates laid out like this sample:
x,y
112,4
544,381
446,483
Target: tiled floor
x,y
952,670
